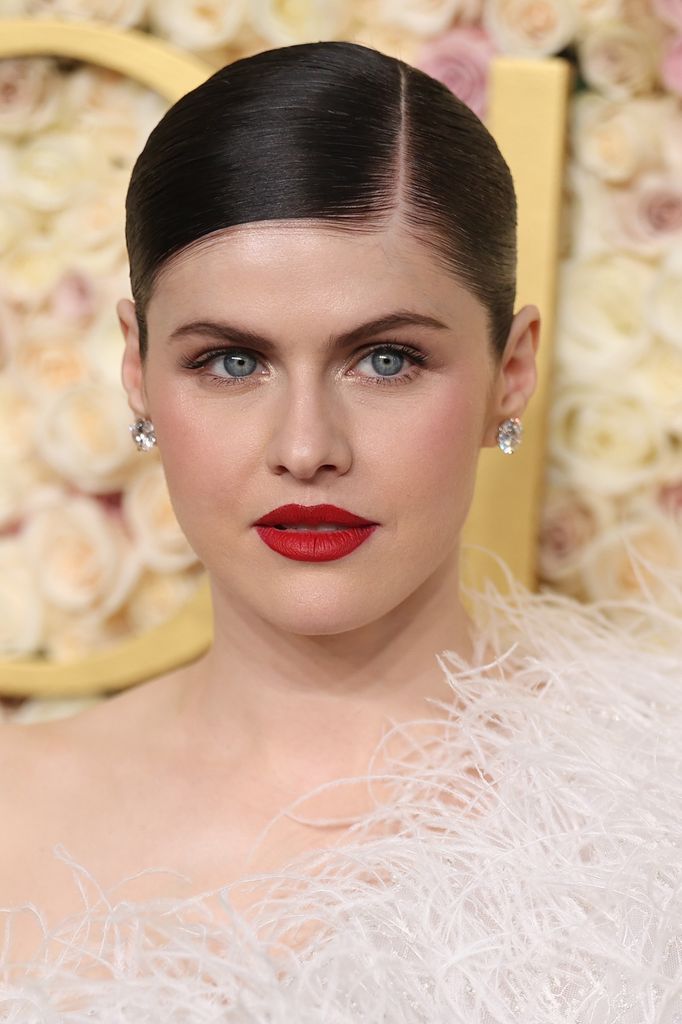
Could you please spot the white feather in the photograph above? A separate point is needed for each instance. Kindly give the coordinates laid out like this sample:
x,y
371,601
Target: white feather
x,y
526,867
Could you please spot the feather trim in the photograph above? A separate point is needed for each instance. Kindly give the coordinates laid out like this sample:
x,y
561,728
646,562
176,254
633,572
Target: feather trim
x,y
526,865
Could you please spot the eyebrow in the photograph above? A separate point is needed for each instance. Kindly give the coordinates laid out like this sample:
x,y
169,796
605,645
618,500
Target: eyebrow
x,y
222,331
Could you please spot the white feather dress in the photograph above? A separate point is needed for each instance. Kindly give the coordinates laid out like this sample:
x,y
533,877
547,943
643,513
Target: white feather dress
x,y
527,867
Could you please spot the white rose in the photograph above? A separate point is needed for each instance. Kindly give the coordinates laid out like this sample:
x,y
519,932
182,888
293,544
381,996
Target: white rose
x,y
615,140
589,215
665,314
43,709
43,366
530,28
84,434
30,270
29,95
84,561
649,214
196,25
72,635
569,520
633,558
26,483
116,12
671,133
660,374
618,60
17,420
590,12
151,520
298,21
388,39
15,223
602,313
158,596
104,346
426,17
51,168
91,231
607,441
8,333
21,622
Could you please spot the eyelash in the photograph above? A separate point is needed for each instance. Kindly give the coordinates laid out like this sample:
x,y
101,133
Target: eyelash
x,y
419,359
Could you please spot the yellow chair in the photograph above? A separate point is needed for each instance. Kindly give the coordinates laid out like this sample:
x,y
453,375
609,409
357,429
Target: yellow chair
x,y
527,116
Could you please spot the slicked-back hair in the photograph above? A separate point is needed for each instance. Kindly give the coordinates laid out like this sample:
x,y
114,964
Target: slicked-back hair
x,y
336,132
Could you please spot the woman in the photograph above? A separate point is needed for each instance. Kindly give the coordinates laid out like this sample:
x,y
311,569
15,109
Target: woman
x,y
361,803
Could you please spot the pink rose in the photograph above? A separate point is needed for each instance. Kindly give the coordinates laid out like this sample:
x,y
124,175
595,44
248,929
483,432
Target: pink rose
x,y
669,11
460,59
649,215
671,67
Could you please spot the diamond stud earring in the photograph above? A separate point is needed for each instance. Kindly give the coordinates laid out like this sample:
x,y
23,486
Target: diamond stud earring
x,y
143,434
509,435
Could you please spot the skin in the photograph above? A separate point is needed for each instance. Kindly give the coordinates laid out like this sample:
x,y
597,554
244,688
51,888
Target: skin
x,y
312,662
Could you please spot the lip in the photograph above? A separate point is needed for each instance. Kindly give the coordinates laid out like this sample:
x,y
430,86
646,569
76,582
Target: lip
x,y
313,515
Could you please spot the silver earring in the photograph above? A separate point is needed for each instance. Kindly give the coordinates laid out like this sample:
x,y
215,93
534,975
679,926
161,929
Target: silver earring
x,y
143,434
509,435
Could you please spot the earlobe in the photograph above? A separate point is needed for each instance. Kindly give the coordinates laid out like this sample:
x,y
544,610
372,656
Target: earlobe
x,y
516,374
132,373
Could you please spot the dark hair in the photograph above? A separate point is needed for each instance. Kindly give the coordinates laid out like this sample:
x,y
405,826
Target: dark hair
x,y
335,131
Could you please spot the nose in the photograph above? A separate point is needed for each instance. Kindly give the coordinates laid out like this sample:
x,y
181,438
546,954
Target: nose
x,y
308,433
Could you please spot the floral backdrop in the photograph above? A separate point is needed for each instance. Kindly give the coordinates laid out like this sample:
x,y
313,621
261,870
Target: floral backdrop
x,y
89,547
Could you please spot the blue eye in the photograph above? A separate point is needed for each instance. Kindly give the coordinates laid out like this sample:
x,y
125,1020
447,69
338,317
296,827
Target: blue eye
x,y
240,362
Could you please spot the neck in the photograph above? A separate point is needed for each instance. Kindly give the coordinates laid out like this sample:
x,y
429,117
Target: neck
x,y
314,707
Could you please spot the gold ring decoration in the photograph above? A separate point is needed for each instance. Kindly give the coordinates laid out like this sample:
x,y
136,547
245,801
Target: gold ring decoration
x,y
188,633
527,117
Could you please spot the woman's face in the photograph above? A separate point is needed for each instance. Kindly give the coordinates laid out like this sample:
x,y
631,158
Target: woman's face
x,y
301,420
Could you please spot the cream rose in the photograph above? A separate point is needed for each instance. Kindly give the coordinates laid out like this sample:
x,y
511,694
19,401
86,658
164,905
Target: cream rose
x,y
29,95
531,28
660,375
43,709
21,622
26,483
150,518
194,25
115,12
602,313
426,17
158,596
665,315
591,12
649,214
618,59
298,21
388,39
51,168
16,222
30,270
47,363
83,434
615,140
91,232
69,635
636,557
590,214
461,60
671,133
84,561
607,441
569,520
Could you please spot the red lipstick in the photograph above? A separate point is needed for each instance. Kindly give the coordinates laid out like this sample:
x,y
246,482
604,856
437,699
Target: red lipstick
x,y
313,545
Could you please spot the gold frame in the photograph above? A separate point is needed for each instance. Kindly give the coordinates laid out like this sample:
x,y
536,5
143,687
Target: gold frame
x,y
527,118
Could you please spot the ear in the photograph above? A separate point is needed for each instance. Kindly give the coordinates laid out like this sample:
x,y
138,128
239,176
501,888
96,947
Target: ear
x,y
132,370
516,375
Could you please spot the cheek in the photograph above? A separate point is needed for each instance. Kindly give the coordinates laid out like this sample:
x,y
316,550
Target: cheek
x,y
436,459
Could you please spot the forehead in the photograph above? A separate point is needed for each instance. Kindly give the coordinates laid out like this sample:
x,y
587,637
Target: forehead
x,y
298,266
